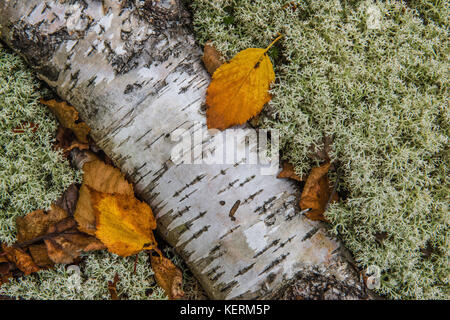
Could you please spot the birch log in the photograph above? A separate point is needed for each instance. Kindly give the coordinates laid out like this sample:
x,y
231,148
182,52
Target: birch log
x,y
133,71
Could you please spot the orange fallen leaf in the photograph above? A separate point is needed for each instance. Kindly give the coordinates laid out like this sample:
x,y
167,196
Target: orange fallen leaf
x,y
168,276
76,144
289,172
239,88
317,192
211,58
101,177
21,259
105,178
123,223
68,118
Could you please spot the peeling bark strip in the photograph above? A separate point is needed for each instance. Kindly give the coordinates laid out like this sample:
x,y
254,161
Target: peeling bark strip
x,y
134,73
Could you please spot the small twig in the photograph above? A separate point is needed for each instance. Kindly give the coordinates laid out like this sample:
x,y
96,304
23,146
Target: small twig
x,y
135,263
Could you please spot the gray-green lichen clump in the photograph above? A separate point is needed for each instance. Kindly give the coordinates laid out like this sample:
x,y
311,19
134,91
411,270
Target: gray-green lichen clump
x,y
32,173
32,176
89,280
374,77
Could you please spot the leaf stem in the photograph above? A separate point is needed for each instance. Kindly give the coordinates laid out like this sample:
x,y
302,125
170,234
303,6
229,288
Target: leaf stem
x,y
273,42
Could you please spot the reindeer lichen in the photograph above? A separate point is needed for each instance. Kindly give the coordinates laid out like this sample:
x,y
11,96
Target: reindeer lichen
x,y
373,75
32,173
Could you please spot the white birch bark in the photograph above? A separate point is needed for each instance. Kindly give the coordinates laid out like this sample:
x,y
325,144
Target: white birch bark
x,y
135,76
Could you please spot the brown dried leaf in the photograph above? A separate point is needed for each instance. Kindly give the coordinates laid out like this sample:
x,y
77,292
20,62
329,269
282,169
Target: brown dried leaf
x,y
68,200
112,288
26,125
168,277
76,144
69,243
68,118
5,268
3,258
105,178
321,153
5,272
21,259
289,172
317,192
40,256
37,223
84,213
211,58
64,137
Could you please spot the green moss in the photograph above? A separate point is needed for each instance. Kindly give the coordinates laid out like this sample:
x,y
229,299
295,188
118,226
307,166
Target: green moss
x,y
32,174
382,94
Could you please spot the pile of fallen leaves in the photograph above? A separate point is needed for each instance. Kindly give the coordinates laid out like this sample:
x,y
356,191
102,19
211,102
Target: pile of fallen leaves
x,y
103,213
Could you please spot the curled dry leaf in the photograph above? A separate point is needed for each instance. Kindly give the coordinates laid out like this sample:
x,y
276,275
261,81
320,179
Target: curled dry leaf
x,y
64,137
240,88
168,277
103,178
21,259
68,118
212,58
112,288
5,267
76,144
289,172
124,224
317,192
5,271
68,200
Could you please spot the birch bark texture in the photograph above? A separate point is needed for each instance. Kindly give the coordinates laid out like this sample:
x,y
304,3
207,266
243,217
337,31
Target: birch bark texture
x,y
133,71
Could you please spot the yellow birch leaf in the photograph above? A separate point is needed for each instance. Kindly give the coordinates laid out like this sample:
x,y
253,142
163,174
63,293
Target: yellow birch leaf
x,y
124,224
239,88
103,178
